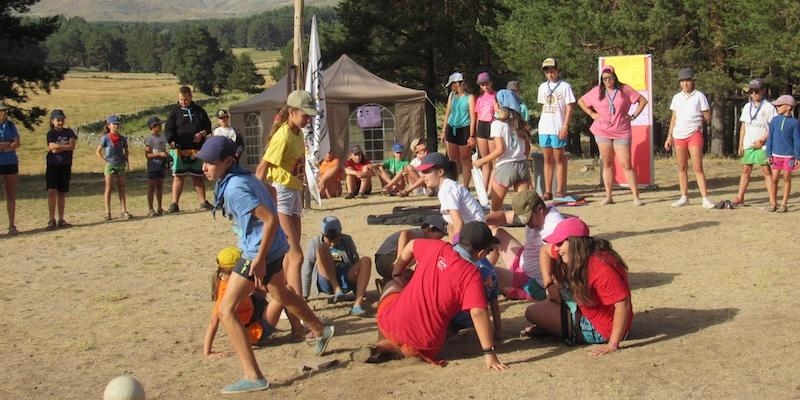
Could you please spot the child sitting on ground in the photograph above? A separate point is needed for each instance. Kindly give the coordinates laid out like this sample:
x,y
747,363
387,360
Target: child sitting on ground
x,y
330,177
783,149
392,171
250,311
416,184
359,173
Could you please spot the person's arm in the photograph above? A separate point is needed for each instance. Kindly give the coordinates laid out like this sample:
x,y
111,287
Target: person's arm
x,y
562,134
99,151
497,151
741,139
588,110
496,319
473,121
211,332
707,116
642,103
621,309
457,224
258,267
261,169
668,141
480,318
170,129
404,258
546,263
446,116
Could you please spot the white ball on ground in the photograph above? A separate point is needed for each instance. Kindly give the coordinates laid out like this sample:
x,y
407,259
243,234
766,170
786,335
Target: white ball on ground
x,y
124,387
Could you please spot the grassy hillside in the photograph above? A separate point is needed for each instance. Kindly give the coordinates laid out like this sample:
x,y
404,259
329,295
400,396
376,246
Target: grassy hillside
x,y
153,10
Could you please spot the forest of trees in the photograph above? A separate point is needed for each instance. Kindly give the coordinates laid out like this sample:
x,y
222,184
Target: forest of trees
x,y
418,43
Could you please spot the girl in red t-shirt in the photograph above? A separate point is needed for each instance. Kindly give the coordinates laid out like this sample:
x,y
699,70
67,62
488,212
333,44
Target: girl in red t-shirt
x,y
597,278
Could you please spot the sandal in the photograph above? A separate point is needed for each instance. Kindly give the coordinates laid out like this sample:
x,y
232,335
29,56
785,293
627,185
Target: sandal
x,y
51,225
547,196
12,230
782,209
532,331
64,224
560,195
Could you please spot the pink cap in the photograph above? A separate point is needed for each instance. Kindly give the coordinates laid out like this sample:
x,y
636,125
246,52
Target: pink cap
x,y
607,68
484,77
572,226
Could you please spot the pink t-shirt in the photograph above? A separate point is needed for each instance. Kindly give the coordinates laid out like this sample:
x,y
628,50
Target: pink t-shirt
x,y
484,107
608,126
608,283
443,284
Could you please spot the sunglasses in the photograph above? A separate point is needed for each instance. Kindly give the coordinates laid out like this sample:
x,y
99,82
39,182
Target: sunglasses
x,y
608,78
753,91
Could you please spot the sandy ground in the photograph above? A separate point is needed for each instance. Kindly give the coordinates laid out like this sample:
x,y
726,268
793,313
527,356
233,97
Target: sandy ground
x,y
713,292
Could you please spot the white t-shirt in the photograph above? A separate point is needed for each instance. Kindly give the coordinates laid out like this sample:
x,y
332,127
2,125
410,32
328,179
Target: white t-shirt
x,y
756,121
529,259
454,196
554,97
515,147
688,110
228,132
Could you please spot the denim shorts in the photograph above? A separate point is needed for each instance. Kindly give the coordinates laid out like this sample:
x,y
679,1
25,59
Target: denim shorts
x,y
342,271
614,142
290,201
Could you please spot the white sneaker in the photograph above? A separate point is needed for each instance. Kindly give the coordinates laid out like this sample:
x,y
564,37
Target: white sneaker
x,y
681,202
638,202
707,203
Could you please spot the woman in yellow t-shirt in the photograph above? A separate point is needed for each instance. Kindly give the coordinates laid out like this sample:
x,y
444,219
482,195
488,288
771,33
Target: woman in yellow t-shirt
x,y
282,169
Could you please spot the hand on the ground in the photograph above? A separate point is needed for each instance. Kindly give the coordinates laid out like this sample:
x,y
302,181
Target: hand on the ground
x,y
493,364
603,349
216,355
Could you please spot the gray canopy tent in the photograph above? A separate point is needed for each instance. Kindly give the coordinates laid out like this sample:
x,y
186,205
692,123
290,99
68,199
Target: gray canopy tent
x,y
350,91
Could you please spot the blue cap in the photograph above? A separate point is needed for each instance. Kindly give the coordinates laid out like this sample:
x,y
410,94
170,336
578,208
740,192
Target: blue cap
x,y
113,119
508,99
397,148
153,121
217,148
331,225
57,114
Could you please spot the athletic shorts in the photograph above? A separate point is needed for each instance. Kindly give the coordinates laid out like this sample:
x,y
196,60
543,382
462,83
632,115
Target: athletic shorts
x,y
551,141
483,129
290,201
9,169
157,174
694,140
783,163
457,136
112,169
58,176
242,268
183,164
325,286
510,173
614,142
383,264
755,157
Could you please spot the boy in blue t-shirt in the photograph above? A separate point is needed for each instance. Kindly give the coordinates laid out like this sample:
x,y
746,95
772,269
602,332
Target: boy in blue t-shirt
x,y
245,200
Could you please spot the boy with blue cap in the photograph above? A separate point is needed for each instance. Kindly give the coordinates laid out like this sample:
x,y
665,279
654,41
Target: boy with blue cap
x,y
244,200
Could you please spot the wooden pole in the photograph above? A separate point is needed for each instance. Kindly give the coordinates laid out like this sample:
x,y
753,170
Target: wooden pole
x,y
298,44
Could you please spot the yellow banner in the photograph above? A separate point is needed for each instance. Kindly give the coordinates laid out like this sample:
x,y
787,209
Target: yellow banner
x,y
630,70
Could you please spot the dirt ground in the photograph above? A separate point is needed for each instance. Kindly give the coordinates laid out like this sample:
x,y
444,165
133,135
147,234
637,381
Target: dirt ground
x,y
712,290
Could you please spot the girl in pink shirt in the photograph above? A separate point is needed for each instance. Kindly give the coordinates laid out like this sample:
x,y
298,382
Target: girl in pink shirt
x,y
608,104
485,108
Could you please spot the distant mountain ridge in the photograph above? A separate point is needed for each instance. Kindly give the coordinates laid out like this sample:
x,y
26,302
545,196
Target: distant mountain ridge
x,y
160,10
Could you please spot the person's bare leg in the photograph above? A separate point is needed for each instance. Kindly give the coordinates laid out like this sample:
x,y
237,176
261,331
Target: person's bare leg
x,y
62,205
293,260
744,181
52,199
561,171
121,189
623,153
607,156
326,267
682,157
177,188
696,153
547,154
11,197
486,169
151,191
294,303
360,273
546,315
771,185
465,155
238,290
200,188
108,182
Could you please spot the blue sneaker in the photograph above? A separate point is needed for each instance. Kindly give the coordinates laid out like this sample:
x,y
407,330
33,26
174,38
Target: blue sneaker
x,y
244,386
322,341
358,311
341,296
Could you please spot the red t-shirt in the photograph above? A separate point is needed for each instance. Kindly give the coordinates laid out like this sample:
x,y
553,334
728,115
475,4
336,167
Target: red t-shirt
x,y
608,282
443,284
349,163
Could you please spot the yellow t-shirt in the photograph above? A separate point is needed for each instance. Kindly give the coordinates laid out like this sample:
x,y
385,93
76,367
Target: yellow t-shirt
x,y
286,153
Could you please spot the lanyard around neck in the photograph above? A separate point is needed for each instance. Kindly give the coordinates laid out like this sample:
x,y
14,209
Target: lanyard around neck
x,y
611,109
550,91
752,114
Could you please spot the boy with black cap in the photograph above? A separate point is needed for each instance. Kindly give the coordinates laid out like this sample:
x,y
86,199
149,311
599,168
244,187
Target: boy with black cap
x,y
245,200
155,149
413,317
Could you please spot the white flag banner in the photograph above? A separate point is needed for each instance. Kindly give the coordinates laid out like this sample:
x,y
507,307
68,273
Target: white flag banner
x,y
318,143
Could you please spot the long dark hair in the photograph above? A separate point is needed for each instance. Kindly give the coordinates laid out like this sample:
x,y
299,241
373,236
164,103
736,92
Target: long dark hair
x,y
576,272
617,84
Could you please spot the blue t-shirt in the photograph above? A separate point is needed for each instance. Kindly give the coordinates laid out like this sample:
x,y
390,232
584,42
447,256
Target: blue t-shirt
x,y
114,154
241,194
784,137
489,278
8,132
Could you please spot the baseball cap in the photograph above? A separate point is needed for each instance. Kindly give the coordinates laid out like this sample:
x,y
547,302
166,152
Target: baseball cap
x,y
523,204
549,63
756,84
572,226
508,99
397,148
3,107
477,236
356,149
57,114
227,257
222,114
436,221
153,121
432,160
512,85
414,143
785,99
483,77
607,69
217,148
685,74
113,119
331,225
454,77
302,100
